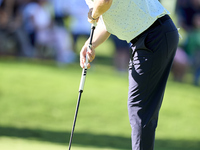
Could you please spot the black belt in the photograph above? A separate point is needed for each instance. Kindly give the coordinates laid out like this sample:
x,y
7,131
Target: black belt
x,y
158,22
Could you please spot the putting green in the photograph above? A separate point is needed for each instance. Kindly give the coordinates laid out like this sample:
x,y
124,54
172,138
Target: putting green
x,y
19,144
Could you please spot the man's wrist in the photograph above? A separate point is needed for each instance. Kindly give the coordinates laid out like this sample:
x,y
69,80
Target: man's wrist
x,y
94,18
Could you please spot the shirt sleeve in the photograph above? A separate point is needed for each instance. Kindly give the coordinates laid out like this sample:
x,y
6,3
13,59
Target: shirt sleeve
x,y
90,3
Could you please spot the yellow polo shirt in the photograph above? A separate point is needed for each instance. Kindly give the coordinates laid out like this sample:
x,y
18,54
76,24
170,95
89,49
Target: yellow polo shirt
x,y
128,18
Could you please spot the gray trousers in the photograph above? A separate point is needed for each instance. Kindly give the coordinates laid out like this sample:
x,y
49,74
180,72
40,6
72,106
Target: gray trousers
x,y
151,60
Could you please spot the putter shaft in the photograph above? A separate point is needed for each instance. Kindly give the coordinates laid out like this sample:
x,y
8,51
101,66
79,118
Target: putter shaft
x,y
75,117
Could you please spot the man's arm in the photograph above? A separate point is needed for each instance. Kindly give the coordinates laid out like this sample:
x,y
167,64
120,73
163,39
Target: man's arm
x,y
100,35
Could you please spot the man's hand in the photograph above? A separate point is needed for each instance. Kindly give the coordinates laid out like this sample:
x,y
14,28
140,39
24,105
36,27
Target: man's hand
x,y
90,18
83,54
100,7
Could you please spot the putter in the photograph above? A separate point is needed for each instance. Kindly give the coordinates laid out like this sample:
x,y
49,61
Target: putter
x,y
82,82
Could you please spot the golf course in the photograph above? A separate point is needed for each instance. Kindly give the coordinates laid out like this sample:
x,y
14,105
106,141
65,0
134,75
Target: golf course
x,y
38,101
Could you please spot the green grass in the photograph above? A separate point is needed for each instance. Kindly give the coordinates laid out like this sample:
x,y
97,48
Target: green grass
x,y
19,144
38,100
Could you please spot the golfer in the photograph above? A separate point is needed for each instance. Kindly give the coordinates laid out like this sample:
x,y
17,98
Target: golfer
x,y
154,39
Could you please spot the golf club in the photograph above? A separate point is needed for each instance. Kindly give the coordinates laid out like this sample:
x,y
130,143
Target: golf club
x,y
82,82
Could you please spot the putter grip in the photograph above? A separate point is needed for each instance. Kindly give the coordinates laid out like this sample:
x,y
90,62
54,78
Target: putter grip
x,y
84,72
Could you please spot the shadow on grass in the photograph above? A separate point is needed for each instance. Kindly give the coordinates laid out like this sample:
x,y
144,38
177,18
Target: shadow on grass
x,y
92,140
59,137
